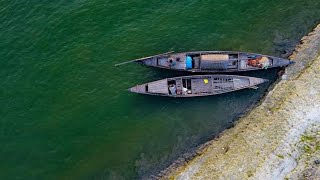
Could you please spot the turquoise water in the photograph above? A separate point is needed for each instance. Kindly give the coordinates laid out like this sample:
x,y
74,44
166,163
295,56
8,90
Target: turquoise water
x,y
65,113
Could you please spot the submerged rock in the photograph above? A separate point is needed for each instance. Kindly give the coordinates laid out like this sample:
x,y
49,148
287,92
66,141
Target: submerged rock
x,y
267,143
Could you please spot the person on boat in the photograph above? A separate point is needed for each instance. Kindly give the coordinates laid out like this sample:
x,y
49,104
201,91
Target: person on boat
x,y
171,62
173,89
184,90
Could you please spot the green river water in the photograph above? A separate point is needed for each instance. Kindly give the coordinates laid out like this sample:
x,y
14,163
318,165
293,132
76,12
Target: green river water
x,y
65,112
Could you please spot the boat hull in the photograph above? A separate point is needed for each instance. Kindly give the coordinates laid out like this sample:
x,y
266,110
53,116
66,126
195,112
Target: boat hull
x,y
197,85
214,61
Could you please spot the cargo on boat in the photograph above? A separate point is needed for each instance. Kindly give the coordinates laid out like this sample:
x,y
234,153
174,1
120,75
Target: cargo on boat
x,y
197,85
213,61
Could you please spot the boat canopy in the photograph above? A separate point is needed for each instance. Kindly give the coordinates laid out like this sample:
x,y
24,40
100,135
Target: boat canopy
x,y
215,57
214,61
188,62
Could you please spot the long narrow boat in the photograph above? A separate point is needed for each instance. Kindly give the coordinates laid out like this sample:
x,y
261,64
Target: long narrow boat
x,y
197,85
213,61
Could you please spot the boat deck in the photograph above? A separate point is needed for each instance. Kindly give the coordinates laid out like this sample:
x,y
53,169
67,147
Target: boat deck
x,y
212,85
160,86
181,64
198,86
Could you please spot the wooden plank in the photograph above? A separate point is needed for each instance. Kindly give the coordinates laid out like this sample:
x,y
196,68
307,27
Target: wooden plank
x,y
160,86
198,86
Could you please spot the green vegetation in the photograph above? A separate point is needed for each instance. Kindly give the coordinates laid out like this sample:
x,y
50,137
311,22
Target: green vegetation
x,y
317,148
280,156
307,149
307,138
250,173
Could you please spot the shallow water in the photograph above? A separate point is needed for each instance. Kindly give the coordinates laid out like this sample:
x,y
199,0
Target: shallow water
x,y
65,112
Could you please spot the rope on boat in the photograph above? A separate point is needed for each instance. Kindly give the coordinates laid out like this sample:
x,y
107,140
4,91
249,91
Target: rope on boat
x,y
143,58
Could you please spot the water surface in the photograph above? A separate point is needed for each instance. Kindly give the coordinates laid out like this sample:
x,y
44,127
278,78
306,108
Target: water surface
x,y
64,111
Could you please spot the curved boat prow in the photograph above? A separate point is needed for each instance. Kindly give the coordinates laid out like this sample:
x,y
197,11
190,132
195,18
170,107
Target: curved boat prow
x,y
144,59
292,62
255,81
280,62
138,89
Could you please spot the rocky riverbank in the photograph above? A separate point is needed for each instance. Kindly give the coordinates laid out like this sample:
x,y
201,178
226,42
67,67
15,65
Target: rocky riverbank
x,y
278,139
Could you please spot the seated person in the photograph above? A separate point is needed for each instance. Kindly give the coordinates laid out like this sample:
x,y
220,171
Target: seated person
x,y
172,62
173,89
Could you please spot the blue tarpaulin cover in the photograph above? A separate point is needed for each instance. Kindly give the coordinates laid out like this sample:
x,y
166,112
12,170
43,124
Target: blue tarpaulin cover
x,y
188,62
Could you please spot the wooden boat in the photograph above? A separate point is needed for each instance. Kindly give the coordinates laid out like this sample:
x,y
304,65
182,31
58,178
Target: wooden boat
x,y
197,85
213,61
